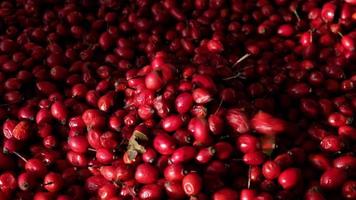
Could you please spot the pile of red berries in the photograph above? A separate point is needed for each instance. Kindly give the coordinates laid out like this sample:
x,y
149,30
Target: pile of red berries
x,y
177,99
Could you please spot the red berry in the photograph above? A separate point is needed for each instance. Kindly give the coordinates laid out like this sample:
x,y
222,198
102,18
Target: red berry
x,y
192,184
289,178
146,173
332,178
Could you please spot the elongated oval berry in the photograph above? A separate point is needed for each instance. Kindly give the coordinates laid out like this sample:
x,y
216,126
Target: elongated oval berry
x,y
8,127
172,123
267,124
285,30
328,12
215,46
346,162
183,154
105,40
332,178
216,124
192,184
184,102
59,111
348,42
332,143
106,102
289,178
200,129
202,96
238,120
337,120
22,130
254,158
247,143
205,155
164,144
205,81
271,170
320,161
306,39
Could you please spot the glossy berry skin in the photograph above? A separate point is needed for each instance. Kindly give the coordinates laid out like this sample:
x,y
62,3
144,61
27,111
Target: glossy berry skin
x,y
36,167
184,102
146,173
53,182
267,124
247,143
247,194
289,178
26,181
332,178
153,81
107,191
172,123
253,158
164,144
149,156
216,124
22,130
320,161
151,192
104,156
59,111
348,42
349,190
205,155
238,120
192,184
183,154
332,143
78,144
337,120
345,162
174,189
108,172
226,193
93,119
174,172
123,172
285,30
271,170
